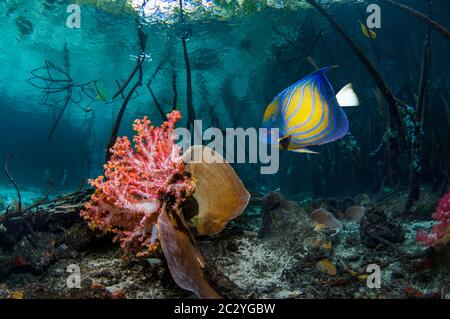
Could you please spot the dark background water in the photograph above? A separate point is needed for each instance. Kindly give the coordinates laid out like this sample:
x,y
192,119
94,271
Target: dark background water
x,y
238,66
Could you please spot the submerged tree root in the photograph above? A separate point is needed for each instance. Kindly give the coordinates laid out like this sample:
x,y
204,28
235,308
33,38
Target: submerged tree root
x,y
422,17
11,179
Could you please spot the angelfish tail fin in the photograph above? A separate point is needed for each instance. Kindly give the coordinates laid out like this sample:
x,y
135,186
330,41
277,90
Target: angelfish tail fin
x,y
347,97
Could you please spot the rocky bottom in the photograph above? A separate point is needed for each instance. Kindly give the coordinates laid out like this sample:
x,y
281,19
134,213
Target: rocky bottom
x,y
273,250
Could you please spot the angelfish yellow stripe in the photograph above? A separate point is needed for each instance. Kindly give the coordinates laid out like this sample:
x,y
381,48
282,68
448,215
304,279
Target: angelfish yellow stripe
x,y
311,117
304,110
321,128
292,97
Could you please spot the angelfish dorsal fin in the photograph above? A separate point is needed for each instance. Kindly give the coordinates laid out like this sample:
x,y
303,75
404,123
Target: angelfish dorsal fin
x,y
346,97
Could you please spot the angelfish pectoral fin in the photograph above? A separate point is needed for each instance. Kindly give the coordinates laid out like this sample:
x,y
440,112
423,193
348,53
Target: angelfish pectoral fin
x,y
347,97
284,142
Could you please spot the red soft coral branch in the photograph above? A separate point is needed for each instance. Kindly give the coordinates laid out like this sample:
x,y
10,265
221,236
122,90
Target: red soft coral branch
x,y
137,184
440,233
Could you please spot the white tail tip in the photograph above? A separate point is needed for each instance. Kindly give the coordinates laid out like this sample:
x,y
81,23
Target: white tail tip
x,y
346,97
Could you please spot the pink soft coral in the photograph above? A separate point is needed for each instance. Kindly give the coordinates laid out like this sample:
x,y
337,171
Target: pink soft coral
x,y
440,233
138,184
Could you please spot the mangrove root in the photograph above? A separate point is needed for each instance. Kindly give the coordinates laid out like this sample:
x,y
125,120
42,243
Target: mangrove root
x,y
422,17
394,118
113,138
11,179
417,140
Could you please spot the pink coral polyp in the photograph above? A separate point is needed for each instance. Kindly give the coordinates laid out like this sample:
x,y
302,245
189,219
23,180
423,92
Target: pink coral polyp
x,y
138,183
440,233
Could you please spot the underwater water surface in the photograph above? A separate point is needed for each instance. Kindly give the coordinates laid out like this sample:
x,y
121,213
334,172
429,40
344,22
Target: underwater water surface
x,y
359,176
